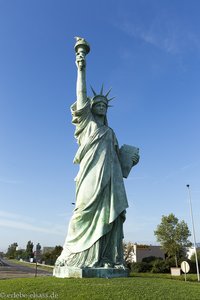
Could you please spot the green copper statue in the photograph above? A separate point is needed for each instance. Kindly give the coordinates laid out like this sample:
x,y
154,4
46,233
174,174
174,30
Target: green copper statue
x,y
95,231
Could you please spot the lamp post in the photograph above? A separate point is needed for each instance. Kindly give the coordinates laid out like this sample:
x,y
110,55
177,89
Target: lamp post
x,y
194,238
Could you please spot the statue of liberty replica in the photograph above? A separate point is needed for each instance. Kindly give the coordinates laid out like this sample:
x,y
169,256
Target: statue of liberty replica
x,y
93,246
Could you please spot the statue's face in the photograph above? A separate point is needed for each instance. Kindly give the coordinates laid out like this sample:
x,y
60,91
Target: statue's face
x,y
99,109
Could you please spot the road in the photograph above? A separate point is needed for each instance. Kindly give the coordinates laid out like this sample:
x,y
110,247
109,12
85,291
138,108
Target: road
x,y
10,269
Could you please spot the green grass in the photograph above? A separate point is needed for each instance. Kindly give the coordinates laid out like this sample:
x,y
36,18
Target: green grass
x,y
32,265
189,277
140,287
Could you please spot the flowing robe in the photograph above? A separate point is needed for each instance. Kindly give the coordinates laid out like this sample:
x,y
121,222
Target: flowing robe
x,y
95,230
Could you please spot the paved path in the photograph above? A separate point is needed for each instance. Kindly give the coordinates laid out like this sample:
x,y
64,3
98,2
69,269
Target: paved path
x,y
9,269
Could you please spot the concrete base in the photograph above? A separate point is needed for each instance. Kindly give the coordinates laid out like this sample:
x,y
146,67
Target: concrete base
x,y
67,272
175,271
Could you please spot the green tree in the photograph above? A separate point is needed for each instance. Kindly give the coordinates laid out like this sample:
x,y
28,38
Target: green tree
x,y
192,262
193,257
37,253
51,256
20,254
12,251
29,250
173,236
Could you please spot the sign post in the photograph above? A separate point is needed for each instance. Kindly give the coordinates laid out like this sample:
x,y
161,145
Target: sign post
x,y
185,267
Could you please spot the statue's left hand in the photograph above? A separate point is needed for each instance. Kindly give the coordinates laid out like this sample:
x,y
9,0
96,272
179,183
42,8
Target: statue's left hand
x,y
135,159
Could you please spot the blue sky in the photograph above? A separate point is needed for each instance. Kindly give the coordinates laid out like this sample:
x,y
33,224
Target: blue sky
x,y
149,53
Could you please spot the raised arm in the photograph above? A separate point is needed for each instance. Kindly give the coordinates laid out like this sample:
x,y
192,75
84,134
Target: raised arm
x,y
81,48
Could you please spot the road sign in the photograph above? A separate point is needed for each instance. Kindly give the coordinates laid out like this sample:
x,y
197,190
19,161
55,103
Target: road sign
x,y
185,267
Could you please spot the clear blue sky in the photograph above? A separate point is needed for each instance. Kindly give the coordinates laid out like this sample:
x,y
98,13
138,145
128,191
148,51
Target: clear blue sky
x,y
149,53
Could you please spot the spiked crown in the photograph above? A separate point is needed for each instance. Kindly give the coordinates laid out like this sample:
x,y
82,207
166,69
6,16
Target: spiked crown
x,y
100,97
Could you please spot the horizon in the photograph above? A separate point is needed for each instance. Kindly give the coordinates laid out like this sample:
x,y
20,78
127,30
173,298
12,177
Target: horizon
x,y
148,52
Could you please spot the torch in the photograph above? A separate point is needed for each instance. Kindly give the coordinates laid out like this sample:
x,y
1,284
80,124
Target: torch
x,y
82,48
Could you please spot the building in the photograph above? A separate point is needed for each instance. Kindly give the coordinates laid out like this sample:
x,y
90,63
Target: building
x,y
191,251
142,251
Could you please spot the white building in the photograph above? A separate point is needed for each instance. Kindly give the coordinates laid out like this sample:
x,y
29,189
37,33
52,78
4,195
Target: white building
x,y
142,251
137,252
191,251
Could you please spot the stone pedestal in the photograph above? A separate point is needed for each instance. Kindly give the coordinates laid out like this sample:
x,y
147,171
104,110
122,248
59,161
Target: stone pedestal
x,y
67,272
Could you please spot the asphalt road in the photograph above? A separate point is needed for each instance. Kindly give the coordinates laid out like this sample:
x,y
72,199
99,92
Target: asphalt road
x,y
10,269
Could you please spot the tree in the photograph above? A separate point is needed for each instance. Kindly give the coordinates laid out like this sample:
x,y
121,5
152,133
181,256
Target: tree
x,y
38,253
29,250
12,251
192,262
193,257
173,236
128,253
51,256
21,254
38,248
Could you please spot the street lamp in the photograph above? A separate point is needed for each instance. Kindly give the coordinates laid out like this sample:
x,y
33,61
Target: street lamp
x,y
194,238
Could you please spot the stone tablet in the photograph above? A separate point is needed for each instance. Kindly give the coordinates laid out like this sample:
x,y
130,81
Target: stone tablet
x,y
126,154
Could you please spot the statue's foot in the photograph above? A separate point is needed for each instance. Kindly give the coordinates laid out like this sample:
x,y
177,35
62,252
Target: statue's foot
x,y
120,267
60,263
107,265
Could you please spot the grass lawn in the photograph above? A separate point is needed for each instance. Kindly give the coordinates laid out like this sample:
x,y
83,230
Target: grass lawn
x,y
31,265
189,277
136,287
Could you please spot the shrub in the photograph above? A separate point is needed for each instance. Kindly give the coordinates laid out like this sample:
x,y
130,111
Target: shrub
x,y
193,267
151,259
141,267
160,266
